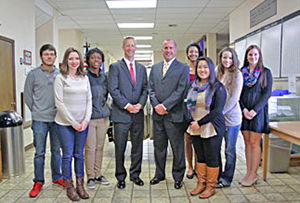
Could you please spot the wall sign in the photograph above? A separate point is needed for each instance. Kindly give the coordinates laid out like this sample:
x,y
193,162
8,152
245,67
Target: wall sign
x,y
263,11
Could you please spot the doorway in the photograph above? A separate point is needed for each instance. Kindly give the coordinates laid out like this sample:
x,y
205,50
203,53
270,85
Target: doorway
x,y
7,74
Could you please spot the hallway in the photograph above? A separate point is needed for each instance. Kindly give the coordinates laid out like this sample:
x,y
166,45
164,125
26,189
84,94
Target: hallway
x,y
280,187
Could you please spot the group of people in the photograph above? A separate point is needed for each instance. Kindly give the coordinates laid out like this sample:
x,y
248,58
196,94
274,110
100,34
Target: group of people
x,y
194,107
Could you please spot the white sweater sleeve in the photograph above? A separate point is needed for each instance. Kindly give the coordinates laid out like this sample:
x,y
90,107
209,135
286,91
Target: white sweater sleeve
x,y
88,112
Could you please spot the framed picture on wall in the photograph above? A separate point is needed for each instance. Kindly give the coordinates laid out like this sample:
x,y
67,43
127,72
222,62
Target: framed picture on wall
x,y
27,57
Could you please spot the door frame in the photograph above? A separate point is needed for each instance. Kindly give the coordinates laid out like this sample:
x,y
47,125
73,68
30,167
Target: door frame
x,y
14,67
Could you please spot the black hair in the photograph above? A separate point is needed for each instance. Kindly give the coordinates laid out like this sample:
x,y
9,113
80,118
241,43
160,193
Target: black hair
x,y
194,45
47,47
211,66
90,52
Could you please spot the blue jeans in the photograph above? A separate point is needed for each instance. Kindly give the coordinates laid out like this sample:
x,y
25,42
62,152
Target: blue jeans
x,y
231,136
40,131
72,144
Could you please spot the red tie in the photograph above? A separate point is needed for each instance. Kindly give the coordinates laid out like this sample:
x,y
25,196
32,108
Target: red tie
x,y
132,73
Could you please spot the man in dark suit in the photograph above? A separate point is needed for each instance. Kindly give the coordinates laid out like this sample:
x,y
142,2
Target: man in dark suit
x,y
167,82
127,84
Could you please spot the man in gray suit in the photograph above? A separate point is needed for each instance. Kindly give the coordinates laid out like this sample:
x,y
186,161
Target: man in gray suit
x,y
127,84
168,80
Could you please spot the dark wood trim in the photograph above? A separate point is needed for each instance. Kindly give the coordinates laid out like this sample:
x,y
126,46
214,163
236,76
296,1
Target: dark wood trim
x,y
14,67
0,161
26,124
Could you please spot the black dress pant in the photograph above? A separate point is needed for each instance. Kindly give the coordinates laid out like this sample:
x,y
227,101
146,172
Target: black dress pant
x,y
121,131
207,149
162,132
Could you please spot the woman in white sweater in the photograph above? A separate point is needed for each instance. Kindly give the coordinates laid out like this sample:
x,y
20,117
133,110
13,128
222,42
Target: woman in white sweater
x,y
74,107
229,74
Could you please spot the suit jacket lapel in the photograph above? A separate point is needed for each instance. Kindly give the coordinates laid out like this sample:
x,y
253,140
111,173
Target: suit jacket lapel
x,y
126,71
138,77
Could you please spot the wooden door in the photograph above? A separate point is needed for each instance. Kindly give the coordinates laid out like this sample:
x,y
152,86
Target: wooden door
x,y
7,75
7,80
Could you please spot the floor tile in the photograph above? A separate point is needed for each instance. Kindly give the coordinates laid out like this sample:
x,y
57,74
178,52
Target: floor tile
x,y
279,187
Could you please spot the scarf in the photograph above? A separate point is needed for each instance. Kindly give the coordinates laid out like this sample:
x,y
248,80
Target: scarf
x,y
250,79
193,94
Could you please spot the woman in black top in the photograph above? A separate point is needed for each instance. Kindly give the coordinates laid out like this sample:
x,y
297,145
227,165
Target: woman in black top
x,y
254,104
206,98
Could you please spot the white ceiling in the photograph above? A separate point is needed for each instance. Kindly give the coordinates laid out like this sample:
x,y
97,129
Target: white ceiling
x,y
194,18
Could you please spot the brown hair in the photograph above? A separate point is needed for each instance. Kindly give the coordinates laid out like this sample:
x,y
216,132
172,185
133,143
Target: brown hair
x,y
233,69
64,70
263,75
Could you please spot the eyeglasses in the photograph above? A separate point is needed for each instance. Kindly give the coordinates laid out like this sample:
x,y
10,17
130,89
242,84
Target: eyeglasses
x,y
49,54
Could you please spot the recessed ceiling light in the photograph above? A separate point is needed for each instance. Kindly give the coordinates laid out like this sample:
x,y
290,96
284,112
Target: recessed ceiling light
x,y
131,4
143,46
135,25
143,51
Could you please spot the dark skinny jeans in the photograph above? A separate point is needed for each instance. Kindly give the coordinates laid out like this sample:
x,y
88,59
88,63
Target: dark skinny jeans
x,y
207,149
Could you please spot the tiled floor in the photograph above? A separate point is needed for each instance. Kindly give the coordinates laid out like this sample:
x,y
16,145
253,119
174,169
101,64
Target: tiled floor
x,y
280,187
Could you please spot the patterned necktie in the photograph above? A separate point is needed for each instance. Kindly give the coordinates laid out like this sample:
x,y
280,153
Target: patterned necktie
x,y
132,73
165,69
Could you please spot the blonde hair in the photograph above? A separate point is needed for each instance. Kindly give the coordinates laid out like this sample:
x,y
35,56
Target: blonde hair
x,y
64,69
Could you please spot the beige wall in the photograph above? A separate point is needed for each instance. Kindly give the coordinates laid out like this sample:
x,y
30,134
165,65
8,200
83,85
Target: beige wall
x,y
108,57
47,34
239,26
239,19
18,23
69,38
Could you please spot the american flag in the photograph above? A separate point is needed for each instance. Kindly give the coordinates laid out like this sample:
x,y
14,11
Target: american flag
x,y
86,46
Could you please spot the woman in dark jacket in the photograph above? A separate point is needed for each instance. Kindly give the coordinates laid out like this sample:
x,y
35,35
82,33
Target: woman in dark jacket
x,y
205,100
99,120
254,104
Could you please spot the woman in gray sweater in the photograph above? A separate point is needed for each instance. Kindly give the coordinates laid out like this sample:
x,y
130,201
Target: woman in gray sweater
x,y
229,74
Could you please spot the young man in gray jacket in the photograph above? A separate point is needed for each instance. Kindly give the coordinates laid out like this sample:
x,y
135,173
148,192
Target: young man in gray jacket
x,y
39,97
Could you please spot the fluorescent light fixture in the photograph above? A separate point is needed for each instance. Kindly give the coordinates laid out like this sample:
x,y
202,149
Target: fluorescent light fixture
x,y
143,46
131,4
142,56
143,51
143,59
143,37
135,25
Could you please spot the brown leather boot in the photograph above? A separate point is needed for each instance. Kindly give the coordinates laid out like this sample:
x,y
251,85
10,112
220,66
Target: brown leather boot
x,y
71,191
201,174
80,188
212,180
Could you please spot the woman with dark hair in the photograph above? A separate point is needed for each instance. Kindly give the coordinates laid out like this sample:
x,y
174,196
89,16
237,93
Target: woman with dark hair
x,y
99,121
73,100
230,76
193,52
254,104
206,98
